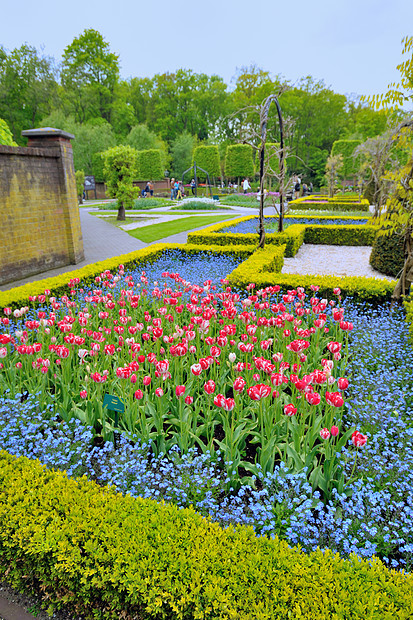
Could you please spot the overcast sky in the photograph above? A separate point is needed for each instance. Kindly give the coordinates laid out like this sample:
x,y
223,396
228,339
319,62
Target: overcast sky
x,y
352,45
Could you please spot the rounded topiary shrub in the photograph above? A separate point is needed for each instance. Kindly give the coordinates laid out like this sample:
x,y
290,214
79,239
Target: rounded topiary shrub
x,y
387,255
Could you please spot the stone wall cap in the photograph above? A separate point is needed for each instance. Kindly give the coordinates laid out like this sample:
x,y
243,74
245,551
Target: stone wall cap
x,y
47,131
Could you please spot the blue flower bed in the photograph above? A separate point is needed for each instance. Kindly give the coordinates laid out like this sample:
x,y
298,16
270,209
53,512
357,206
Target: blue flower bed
x,y
375,518
251,226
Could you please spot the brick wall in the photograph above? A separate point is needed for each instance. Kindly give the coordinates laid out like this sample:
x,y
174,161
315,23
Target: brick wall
x,y
38,205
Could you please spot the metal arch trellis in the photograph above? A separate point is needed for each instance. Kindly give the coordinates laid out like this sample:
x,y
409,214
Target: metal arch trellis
x,y
195,168
263,126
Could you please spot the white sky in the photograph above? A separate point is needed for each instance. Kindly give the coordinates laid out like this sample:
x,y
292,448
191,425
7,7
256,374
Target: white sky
x,y
352,45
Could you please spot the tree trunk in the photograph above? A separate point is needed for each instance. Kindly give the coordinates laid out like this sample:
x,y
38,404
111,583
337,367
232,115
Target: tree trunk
x,y
405,280
121,213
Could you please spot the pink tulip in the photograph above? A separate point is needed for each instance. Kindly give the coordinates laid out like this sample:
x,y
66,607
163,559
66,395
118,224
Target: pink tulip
x,y
180,390
290,410
209,387
358,439
325,433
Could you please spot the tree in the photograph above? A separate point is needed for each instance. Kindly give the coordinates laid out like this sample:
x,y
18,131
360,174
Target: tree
x,y
399,208
120,170
238,161
398,93
6,136
91,139
399,219
317,118
28,88
184,101
333,167
207,157
90,72
149,165
182,149
379,156
142,139
346,148
80,184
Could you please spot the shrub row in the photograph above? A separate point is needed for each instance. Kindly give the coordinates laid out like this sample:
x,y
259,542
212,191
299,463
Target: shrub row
x,y
101,554
340,235
58,285
408,306
329,204
387,254
268,259
292,238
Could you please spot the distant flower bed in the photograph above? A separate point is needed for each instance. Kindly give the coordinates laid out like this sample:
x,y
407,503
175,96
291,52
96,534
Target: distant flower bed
x,y
271,224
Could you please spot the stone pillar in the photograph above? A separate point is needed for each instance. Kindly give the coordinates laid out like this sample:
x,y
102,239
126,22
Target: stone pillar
x,y
68,209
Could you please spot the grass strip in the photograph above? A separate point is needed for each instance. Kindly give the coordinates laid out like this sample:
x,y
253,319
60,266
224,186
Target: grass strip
x,y
147,234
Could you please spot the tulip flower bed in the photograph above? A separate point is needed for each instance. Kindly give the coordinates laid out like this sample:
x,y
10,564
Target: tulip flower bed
x,y
203,371
236,405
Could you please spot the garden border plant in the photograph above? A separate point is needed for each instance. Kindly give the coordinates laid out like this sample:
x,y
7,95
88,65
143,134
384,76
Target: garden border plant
x,y
262,264
293,237
151,560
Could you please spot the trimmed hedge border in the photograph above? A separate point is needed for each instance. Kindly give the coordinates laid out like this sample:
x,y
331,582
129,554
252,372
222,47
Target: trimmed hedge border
x,y
293,237
98,553
58,285
339,203
340,235
269,260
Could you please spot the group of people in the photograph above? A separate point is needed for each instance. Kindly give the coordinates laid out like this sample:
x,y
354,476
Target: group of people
x,y
300,190
178,190
148,191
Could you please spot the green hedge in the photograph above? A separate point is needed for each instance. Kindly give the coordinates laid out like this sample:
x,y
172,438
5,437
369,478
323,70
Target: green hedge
x,y
19,296
150,166
340,235
371,290
292,238
97,553
238,161
387,254
269,259
207,157
329,206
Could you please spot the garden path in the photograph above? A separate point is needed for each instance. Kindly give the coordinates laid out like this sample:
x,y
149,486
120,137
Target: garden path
x,y
332,260
101,240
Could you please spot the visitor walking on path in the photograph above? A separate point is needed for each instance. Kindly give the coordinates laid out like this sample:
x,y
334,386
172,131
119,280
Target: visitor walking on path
x,y
246,186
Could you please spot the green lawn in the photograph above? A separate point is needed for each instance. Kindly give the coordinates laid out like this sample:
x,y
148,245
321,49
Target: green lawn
x,y
147,234
129,220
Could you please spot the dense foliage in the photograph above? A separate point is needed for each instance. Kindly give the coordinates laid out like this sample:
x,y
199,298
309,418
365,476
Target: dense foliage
x,y
238,161
174,110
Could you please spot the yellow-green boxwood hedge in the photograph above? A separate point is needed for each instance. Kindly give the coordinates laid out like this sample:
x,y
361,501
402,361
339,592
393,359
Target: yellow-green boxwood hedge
x,y
269,260
98,553
340,235
337,203
293,237
58,285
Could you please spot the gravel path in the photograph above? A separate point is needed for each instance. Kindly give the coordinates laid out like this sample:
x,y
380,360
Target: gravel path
x,y
332,260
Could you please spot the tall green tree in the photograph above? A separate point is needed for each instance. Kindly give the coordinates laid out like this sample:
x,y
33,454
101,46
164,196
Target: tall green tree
x,y
28,88
120,170
91,139
142,139
182,149
6,136
319,119
184,101
90,72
